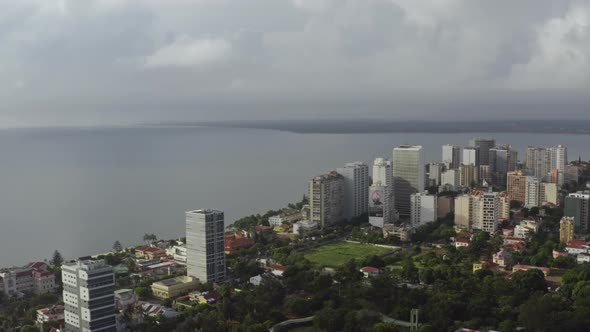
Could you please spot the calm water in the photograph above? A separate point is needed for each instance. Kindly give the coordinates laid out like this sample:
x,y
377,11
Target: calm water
x,y
79,190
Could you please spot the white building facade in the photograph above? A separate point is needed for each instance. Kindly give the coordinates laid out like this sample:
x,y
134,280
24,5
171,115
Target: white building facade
x,y
423,209
205,245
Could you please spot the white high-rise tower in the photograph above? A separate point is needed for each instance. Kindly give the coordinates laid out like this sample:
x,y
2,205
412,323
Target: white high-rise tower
x,y
205,245
408,175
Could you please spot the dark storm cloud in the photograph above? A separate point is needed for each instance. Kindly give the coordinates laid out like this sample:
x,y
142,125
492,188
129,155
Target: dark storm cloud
x,y
130,61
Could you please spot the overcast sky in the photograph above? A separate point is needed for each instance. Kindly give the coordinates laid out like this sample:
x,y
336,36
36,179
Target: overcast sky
x,y
65,62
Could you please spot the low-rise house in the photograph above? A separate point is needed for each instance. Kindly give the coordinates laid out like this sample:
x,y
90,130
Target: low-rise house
x,y
557,253
502,258
369,271
178,253
204,297
290,217
34,278
583,258
520,267
301,227
278,269
575,247
461,243
256,280
174,287
54,313
234,244
155,310
508,231
150,253
281,228
125,297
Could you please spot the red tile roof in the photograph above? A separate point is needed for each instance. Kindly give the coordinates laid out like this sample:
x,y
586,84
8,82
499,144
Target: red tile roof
x,y
578,244
279,267
369,269
463,240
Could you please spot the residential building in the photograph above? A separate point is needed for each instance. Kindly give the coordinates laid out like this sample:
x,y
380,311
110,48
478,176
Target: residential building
x,y
463,211
356,189
326,199
541,161
450,180
501,161
576,247
205,245
408,175
548,194
483,145
369,271
156,310
489,212
451,156
532,192
174,287
434,173
301,227
178,253
124,298
89,296
461,243
471,156
150,253
577,205
378,205
51,314
383,176
566,229
423,209
558,161
444,206
516,186
504,206
288,217
34,278
485,174
235,243
468,175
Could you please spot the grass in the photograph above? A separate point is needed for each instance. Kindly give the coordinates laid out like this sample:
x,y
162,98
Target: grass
x,y
336,254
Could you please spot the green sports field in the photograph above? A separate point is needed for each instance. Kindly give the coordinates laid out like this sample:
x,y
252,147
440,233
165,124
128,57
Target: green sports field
x,y
336,254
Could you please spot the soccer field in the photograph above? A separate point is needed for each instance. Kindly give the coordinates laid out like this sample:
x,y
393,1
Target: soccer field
x,y
336,254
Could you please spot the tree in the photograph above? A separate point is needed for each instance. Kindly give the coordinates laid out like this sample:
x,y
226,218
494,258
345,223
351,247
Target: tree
x,y
57,260
149,238
117,247
143,292
29,328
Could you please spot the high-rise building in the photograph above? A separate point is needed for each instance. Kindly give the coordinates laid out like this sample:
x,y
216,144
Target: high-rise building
x,y
463,211
471,156
501,161
468,175
205,245
383,176
408,175
566,229
483,145
577,206
434,173
548,194
516,186
377,205
486,211
504,206
532,192
451,156
356,189
423,209
558,161
485,174
541,161
326,199
449,180
89,296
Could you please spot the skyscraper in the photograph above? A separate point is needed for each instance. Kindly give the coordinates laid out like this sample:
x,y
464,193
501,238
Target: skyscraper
x,y
485,211
451,156
423,209
468,175
383,176
471,156
89,296
205,245
541,161
558,161
532,192
326,199
483,145
408,175
516,186
356,188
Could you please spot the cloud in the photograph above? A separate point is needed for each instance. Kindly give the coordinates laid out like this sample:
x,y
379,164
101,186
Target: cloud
x,y
185,51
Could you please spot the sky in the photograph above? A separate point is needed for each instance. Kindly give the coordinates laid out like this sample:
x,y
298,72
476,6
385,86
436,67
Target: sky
x,y
96,62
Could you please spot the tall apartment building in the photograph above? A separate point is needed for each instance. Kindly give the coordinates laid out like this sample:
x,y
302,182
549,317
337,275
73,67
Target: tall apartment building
x,y
468,175
205,245
423,209
541,161
383,176
516,186
408,175
356,189
504,206
501,161
463,211
548,194
435,171
577,205
532,192
451,156
449,180
566,229
478,211
471,156
326,199
485,174
483,145
89,296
